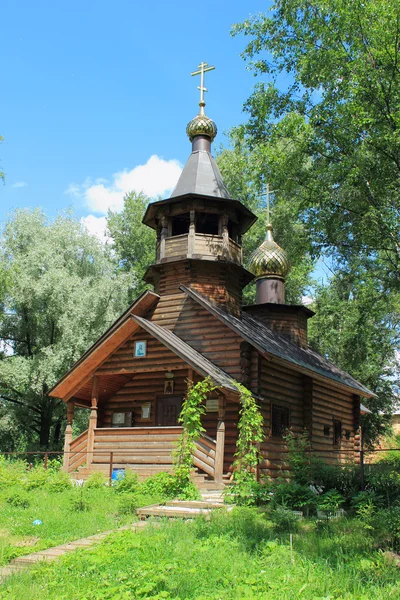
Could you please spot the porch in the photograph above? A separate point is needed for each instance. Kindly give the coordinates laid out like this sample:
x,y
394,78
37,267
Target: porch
x,y
144,450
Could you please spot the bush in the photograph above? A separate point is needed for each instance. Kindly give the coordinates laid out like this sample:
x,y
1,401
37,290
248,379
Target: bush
x,y
59,481
294,496
127,484
385,484
386,527
284,521
11,472
330,501
18,500
80,502
37,478
162,485
96,480
367,500
127,504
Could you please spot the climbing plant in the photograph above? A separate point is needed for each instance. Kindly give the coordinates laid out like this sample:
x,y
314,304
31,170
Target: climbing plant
x,y
250,428
193,408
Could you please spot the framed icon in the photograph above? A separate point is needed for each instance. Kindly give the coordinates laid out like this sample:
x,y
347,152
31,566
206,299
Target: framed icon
x,y
140,349
169,386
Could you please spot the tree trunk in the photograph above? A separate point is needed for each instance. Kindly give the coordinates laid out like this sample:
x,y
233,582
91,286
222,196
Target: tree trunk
x,y
45,426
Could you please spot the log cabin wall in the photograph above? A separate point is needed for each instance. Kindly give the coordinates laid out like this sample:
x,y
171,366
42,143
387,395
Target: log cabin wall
x,y
288,320
219,281
277,386
201,330
332,405
145,385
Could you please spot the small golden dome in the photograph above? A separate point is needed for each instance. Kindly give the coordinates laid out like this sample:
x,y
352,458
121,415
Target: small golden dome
x,y
201,125
269,260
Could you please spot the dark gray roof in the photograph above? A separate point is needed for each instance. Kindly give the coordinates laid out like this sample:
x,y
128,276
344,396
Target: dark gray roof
x,y
187,353
201,176
266,340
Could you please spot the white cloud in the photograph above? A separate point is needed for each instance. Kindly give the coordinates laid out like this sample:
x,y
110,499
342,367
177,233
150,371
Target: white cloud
x,y
306,300
156,177
97,226
19,184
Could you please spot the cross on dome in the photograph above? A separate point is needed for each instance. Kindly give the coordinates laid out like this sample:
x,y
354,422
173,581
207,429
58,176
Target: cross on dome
x,y
203,68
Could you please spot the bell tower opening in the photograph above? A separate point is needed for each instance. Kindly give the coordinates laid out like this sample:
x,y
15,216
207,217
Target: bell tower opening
x,y
207,223
180,224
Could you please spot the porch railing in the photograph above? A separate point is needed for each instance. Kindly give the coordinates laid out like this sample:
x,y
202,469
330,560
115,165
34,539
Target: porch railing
x,y
204,455
78,451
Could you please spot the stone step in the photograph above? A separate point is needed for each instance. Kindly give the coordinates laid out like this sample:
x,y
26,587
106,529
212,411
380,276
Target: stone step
x,y
180,509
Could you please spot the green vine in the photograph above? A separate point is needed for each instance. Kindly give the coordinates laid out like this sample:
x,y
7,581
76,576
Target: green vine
x,y
193,408
250,429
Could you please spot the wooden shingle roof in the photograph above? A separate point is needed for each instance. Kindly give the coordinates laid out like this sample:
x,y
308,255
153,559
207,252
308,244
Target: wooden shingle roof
x,y
197,361
265,340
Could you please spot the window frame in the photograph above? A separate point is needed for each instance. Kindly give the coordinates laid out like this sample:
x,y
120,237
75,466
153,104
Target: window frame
x,y
284,410
337,437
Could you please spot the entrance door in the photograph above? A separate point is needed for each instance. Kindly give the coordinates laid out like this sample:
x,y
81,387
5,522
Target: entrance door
x,y
168,409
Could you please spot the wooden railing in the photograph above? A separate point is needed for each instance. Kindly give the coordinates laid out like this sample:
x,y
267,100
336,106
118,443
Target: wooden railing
x,y
203,244
77,451
204,455
141,447
135,445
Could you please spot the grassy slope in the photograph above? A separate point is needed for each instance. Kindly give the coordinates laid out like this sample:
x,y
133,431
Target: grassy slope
x,y
235,556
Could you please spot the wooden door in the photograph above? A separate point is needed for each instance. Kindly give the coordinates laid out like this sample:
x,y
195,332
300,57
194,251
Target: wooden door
x,y
168,409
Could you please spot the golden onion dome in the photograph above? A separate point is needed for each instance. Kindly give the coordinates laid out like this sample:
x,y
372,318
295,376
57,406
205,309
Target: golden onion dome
x,y
269,260
201,125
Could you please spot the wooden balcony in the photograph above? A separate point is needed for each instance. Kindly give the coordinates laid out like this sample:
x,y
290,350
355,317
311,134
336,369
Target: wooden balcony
x,y
199,245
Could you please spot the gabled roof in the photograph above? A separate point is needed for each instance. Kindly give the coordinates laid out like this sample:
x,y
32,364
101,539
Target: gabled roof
x,y
114,337
201,176
265,340
197,361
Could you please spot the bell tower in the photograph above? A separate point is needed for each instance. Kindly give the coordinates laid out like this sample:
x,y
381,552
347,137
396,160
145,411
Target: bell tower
x,y
200,227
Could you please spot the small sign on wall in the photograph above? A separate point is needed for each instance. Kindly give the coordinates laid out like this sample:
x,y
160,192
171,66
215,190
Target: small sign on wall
x,y
212,405
140,349
146,409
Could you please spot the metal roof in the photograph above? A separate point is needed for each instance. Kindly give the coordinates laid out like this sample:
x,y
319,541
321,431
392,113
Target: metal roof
x,y
201,176
266,340
196,360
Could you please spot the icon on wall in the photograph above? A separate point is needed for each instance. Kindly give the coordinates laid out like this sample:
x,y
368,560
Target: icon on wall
x,y
140,349
169,386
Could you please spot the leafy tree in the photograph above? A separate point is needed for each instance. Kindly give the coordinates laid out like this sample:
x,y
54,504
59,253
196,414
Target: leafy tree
x,y
330,138
358,327
134,242
62,294
324,128
241,168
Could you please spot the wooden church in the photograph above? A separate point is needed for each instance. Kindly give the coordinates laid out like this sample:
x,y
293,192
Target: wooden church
x,y
193,325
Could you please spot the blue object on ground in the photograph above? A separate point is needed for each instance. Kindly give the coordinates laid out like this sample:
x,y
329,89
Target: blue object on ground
x,y
37,522
117,474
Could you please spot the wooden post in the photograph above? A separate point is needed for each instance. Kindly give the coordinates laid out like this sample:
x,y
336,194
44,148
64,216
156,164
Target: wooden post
x,y
192,235
68,435
111,466
220,442
225,236
92,420
164,235
361,461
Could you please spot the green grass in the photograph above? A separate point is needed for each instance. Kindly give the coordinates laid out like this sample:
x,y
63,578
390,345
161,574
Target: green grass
x,y
67,513
61,523
234,556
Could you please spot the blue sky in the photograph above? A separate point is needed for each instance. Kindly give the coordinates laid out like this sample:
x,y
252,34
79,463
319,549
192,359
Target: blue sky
x,y
91,90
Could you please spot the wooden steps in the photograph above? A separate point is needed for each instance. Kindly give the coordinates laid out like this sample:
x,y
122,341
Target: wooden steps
x,y
181,509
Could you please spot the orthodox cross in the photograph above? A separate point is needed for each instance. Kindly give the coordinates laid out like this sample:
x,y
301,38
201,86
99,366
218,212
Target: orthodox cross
x,y
268,195
203,68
